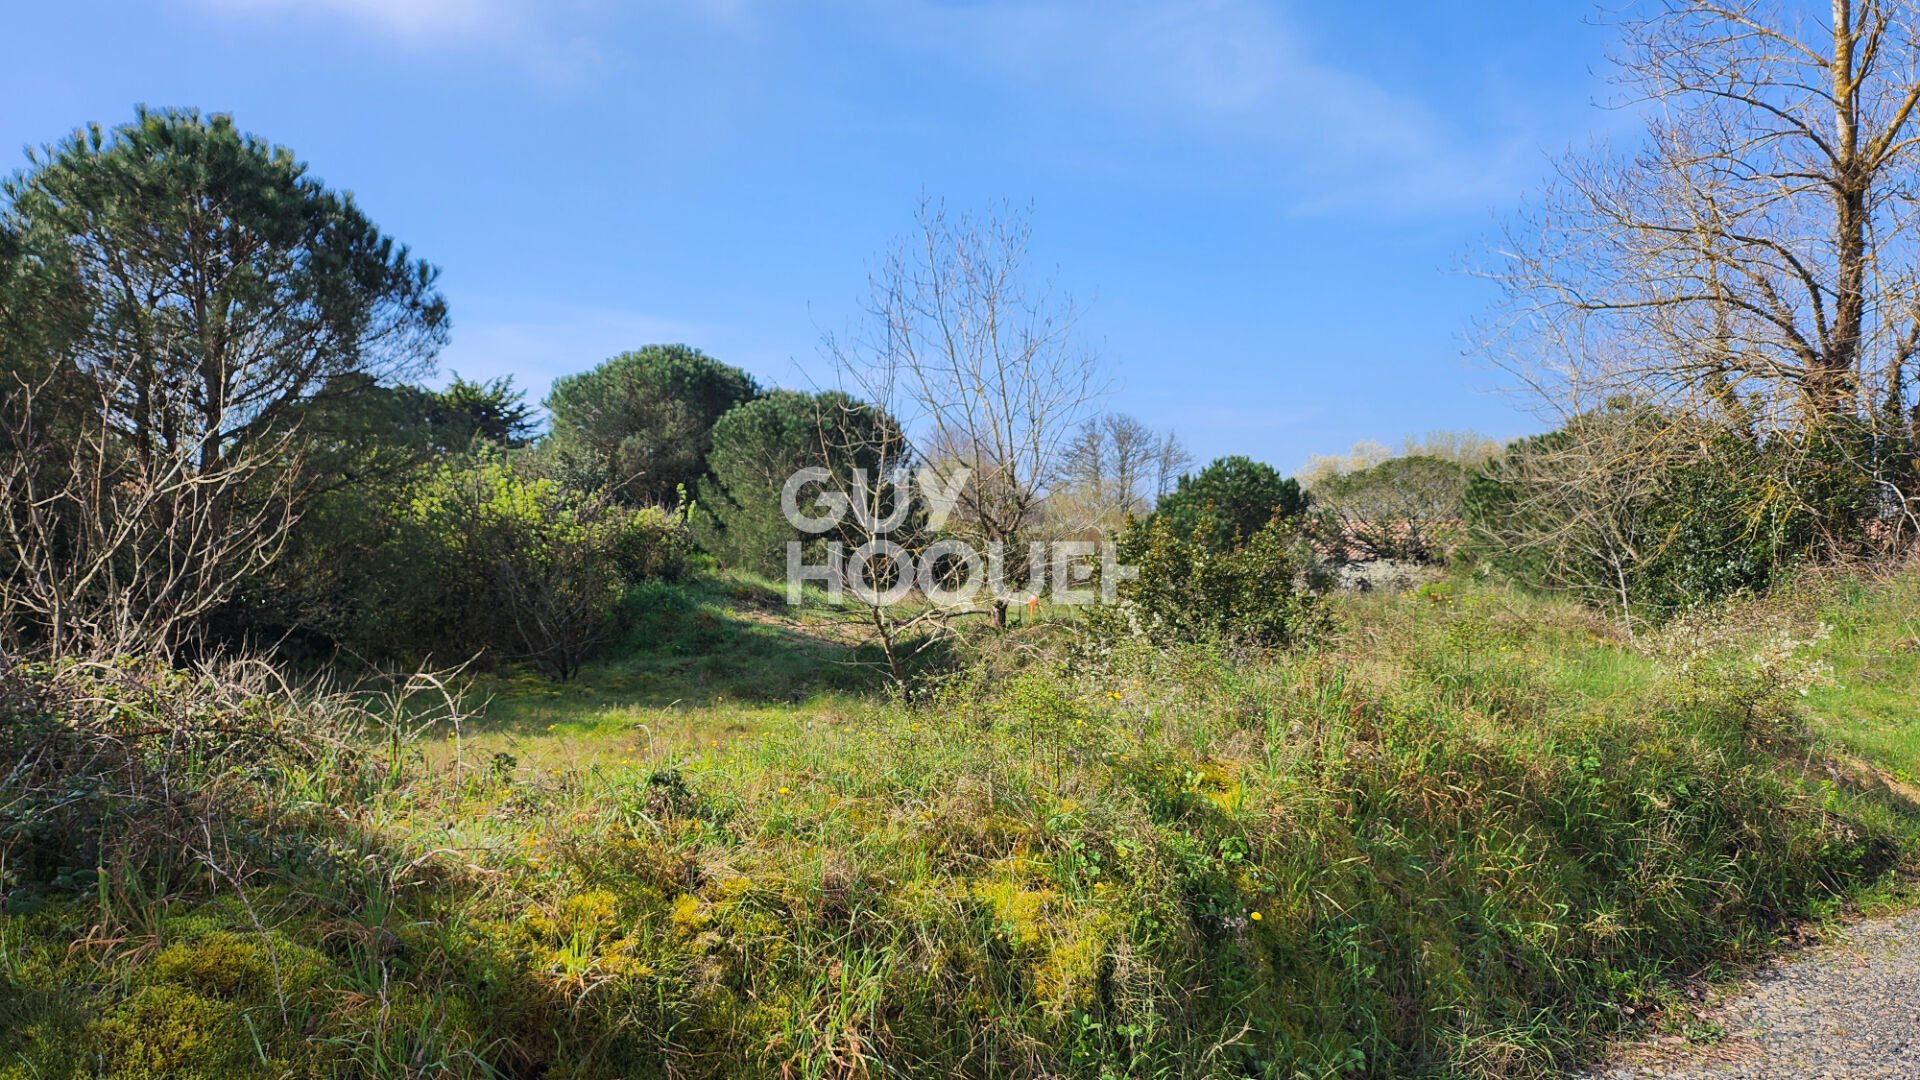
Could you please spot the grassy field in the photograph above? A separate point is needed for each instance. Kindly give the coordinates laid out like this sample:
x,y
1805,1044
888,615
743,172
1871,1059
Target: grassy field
x,y
1469,835
1872,706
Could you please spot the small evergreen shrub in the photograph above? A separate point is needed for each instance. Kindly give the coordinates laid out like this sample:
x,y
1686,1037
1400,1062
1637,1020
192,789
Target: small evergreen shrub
x,y
1192,588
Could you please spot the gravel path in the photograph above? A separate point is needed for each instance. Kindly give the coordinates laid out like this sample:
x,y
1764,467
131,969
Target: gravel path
x,y
1846,1010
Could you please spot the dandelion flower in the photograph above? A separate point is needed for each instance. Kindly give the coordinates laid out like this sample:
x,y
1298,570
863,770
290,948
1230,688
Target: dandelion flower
x,y
1255,916
786,791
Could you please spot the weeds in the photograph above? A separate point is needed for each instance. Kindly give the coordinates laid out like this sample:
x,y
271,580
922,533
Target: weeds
x,y
1466,837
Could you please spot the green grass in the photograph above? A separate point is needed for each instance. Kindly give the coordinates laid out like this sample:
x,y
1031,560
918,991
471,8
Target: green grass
x,y
726,638
730,638
1872,706
697,665
1457,840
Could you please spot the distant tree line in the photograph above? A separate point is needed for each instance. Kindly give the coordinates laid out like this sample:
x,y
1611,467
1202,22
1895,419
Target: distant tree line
x,y
216,429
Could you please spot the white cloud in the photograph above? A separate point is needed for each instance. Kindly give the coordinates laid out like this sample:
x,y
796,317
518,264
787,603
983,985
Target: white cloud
x,y
541,38
1232,69
520,22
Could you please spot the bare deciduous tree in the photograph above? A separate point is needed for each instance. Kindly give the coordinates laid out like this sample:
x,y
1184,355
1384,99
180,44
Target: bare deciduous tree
x,y
1116,467
1754,260
875,541
1364,454
1579,501
980,365
1169,464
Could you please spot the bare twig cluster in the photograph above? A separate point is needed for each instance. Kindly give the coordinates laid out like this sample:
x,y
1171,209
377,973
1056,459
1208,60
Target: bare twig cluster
x,y
1116,467
106,548
1582,500
1755,257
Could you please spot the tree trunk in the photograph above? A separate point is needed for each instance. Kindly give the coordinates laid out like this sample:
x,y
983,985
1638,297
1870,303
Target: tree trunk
x,y
1830,386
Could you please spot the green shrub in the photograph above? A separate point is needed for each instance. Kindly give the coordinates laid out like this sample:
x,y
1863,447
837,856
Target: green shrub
x,y
1192,588
653,544
490,556
1742,516
1499,515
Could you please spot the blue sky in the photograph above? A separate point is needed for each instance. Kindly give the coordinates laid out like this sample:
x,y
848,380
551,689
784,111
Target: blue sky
x,y
1264,206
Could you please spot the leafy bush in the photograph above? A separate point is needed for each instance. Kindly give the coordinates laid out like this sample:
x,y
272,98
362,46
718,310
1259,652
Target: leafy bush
x,y
1740,516
652,544
368,445
1499,517
1189,589
490,556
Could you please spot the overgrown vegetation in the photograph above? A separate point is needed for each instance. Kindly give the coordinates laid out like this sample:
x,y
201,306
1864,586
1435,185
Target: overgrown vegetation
x,y
487,557
1612,508
1458,840
1193,588
674,815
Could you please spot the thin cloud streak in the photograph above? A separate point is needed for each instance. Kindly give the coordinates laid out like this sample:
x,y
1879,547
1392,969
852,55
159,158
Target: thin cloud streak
x,y
1229,70
1195,71
408,19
